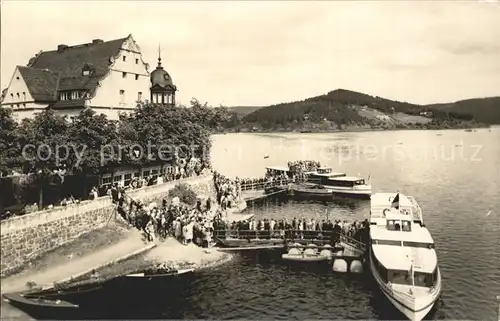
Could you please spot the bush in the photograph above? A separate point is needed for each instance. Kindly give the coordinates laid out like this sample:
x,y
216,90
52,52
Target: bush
x,y
184,193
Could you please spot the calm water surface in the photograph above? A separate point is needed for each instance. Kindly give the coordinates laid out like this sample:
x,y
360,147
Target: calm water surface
x,y
454,175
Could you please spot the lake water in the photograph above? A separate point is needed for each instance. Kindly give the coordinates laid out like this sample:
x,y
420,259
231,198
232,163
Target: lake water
x,y
454,175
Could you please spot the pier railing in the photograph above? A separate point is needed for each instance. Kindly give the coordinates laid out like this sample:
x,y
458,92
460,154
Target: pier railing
x,y
263,183
289,235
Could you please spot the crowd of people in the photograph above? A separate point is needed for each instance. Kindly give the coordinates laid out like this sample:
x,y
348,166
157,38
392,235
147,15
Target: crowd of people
x,y
228,191
293,229
188,224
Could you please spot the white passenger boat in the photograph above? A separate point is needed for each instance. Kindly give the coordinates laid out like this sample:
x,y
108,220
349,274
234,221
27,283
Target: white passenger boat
x,y
339,183
403,260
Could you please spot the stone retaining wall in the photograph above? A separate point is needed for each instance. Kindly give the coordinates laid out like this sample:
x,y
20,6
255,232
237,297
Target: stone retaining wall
x,y
26,237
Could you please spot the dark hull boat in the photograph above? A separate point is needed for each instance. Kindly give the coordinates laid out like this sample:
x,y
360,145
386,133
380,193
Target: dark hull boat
x,y
311,191
53,303
93,299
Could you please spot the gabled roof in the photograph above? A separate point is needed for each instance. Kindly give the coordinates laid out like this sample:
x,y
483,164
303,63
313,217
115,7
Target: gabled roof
x,y
42,83
69,63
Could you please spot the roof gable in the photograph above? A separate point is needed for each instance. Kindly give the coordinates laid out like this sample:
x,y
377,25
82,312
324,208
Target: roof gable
x,y
70,61
42,83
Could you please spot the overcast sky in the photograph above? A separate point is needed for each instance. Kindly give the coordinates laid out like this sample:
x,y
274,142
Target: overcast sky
x,y
260,53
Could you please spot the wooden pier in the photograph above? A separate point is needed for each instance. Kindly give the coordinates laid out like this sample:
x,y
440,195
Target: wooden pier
x,y
347,253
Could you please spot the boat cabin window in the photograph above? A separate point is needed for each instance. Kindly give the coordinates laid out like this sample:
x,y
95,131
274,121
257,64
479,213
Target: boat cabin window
x,y
419,278
399,225
404,277
339,182
405,243
324,170
425,279
399,277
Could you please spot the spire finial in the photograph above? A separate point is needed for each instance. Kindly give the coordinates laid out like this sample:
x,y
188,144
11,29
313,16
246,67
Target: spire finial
x,y
159,55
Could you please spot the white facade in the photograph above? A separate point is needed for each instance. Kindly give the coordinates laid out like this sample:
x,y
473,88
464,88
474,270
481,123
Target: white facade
x,y
126,82
18,98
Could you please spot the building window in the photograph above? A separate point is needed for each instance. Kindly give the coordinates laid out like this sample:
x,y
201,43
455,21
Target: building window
x,y
124,58
106,180
86,72
24,105
17,77
136,61
24,96
65,95
136,77
124,74
12,95
122,96
139,96
75,95
18,96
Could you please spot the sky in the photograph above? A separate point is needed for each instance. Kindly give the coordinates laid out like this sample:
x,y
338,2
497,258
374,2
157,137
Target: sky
x,y
246,53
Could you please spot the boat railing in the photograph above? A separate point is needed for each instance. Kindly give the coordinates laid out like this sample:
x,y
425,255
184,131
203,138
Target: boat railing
x,y
263,183
353,242
288,234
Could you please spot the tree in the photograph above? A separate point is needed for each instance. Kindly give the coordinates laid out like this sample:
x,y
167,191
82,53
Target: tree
x,y
94,144
10,156
95,140
44,140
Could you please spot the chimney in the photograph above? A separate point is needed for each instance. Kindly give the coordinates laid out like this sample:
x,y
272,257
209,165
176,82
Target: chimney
x,y
61,48
94,41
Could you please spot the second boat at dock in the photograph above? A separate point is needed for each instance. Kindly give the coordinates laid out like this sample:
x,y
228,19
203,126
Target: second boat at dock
x,y
322,182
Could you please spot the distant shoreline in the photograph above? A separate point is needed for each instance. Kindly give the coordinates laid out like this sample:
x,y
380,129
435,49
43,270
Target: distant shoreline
x,y
349,130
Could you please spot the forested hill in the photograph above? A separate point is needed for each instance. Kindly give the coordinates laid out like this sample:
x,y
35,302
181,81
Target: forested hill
x,y
485,110
344,107
332,106
242,111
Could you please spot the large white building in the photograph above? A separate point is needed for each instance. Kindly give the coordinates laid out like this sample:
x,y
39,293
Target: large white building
x,y
108,76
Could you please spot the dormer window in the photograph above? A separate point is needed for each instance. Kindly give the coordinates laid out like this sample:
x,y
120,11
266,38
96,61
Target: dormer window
x,y
124,58
124,74
136,77
136,61
87,70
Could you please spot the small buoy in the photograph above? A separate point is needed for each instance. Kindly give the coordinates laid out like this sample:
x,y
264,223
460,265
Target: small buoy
x,y
356,266
326,253
340,265
310,252
294,251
